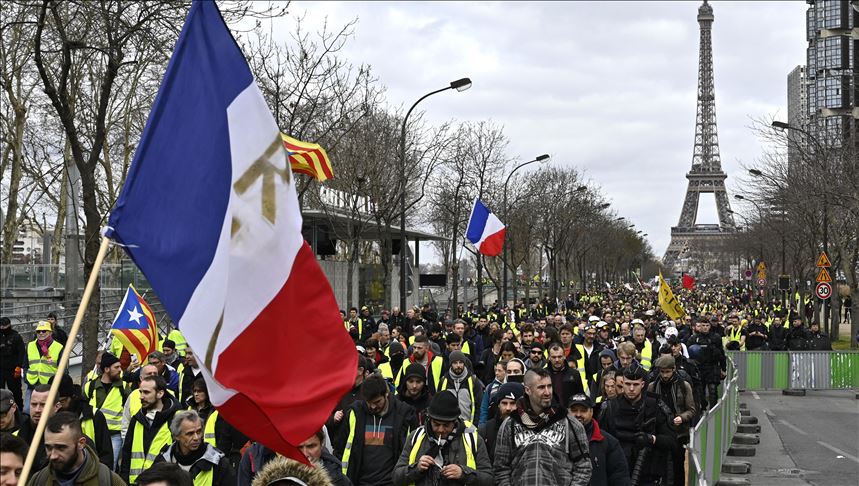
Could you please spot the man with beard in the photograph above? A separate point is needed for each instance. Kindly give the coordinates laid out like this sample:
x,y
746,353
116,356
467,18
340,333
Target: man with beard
x,y
204,463
539,443
149,430
637,421
503,403
413,390
609,463
464,385
71,460
566,381
107,395
445,450
92,423
535,358
432,364
132,402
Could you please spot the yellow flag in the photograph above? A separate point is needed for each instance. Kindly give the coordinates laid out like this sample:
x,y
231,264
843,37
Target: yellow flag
x,y
668,302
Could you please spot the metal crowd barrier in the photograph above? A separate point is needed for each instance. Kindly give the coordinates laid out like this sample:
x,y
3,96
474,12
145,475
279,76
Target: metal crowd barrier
x,y
710,439
812,370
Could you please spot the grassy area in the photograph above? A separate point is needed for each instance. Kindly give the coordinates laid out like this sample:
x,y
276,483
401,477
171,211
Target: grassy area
x,y
842,343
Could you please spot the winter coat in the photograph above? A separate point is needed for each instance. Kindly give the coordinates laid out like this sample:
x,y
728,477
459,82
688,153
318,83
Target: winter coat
x,y
93,473
818,341
609,463
565,383
682,403
13,353
797,338
281,467
406,471
489,432
624,420
254,460
712,360
554,452
212,460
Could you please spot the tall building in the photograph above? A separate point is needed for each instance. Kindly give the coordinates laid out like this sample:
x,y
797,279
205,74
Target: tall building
x,y
832,67
797,111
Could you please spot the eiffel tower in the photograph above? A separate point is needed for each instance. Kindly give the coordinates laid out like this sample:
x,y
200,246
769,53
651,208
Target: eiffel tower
x,y
706,175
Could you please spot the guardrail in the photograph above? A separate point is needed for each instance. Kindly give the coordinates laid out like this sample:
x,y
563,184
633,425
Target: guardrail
x,y
811,370
710,439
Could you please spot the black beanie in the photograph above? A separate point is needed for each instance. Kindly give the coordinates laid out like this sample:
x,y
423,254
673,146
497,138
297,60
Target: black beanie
x,y
415,370
107,360
444,407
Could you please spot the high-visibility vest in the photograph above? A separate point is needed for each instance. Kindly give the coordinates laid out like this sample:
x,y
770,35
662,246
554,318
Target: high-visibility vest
x,y
470,381
435,369
179,339
209,429
88,428
348,324
647,355
111,407
204,478
580,367
466,349
141,458
347,450
386,371
40,369
469,442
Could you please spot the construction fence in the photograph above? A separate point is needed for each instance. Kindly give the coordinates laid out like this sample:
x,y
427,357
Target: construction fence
x,y
811,370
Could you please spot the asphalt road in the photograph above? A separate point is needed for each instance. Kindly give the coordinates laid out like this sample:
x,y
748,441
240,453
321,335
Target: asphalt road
x,y
810,440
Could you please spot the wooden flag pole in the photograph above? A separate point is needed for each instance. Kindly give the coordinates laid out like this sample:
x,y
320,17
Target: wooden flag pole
x,y
64,362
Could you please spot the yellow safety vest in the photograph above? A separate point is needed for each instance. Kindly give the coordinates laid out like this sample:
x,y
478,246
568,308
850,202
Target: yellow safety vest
x,y
209,429
88,429
466,349
580,367
734,334
385,370
111,407
470,381
40,369
134,399
347,451
647,355
435,369
469,442
142,459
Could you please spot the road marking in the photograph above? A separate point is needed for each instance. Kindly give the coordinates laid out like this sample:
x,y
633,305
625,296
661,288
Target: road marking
x,y
792,427
839,451
755,394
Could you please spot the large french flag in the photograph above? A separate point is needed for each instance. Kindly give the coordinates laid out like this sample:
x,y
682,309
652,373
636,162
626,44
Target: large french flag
x,y
209,212
485,231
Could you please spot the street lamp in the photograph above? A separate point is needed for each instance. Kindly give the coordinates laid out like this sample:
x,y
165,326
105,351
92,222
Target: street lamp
x,y
539,158
756,172
458,85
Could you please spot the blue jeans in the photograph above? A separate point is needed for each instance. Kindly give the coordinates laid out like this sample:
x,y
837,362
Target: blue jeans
x,y
116,441
27,394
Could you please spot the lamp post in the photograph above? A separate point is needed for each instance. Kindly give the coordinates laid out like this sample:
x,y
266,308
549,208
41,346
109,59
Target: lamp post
x,y
758,173
459,85
539,158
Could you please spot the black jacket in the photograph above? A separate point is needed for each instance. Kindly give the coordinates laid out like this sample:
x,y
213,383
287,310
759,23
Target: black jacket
x,y
489,432
565,383
797,338
607,459
211,460
404,423
102,444
12,351
818,341
712,360
164,416
625,420
254,459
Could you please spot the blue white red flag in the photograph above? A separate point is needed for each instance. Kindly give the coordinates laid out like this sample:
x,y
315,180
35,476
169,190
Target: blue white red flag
x,y
485,231
210,214
134,325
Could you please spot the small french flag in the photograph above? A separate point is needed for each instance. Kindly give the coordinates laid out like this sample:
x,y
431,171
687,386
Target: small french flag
x,y
485,230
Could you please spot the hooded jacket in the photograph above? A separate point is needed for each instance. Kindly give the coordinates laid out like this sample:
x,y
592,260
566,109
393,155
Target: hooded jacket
x,y
419,403
609,463
554,451
93,473
470,398
211,460
281,468
454,451
162,417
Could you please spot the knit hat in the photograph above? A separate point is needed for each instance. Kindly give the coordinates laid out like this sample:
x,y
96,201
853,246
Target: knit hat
x,y
6,400
664,362
509,390
107,360
168,343
395,347
444,407
457,356
415,370
67,386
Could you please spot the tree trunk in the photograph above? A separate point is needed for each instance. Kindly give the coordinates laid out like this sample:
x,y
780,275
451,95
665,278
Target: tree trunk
x,y
10,226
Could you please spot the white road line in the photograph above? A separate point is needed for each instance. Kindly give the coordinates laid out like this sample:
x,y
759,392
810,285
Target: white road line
x,y
792,427
755,394
839,451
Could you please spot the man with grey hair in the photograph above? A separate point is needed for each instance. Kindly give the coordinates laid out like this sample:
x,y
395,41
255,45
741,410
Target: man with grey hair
x,y
206,464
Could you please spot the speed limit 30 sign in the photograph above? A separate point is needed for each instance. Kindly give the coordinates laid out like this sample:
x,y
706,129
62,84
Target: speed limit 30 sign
x,y
823,290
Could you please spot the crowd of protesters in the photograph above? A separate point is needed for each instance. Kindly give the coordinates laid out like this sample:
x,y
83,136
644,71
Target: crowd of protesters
x,y
601,388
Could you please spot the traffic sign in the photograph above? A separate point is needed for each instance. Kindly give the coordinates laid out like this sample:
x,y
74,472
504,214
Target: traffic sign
x,y
823,261
823,290
762,282
823,276
762,266
749,274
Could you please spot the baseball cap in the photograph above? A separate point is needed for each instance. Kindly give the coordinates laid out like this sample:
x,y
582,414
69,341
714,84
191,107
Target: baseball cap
x,y
581,399
6,400
44,326
637,321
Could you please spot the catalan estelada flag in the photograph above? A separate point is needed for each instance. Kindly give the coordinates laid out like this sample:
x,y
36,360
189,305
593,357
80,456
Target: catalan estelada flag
x,y
308,158
134,325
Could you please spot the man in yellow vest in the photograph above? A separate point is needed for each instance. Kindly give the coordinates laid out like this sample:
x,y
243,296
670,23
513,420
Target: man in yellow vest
x,y
92,423
149,430
107,395
43,355
466,387
206,465
132,402
643,346
445,450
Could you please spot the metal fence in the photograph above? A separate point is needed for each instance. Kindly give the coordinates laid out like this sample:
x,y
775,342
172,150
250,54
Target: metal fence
x,y
812,370
711,437
112,276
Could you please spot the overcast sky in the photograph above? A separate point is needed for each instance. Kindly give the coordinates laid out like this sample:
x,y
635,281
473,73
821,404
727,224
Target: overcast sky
x,y
609,87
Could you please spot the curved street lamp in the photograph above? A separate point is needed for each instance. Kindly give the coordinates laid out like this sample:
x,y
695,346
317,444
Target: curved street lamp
x,y
458,85
539,158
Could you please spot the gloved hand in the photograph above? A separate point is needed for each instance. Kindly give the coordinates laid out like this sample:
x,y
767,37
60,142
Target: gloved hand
x,y
642,440
17,372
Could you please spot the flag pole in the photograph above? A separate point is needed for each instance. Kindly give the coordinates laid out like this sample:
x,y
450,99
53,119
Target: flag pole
x,y
64,361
